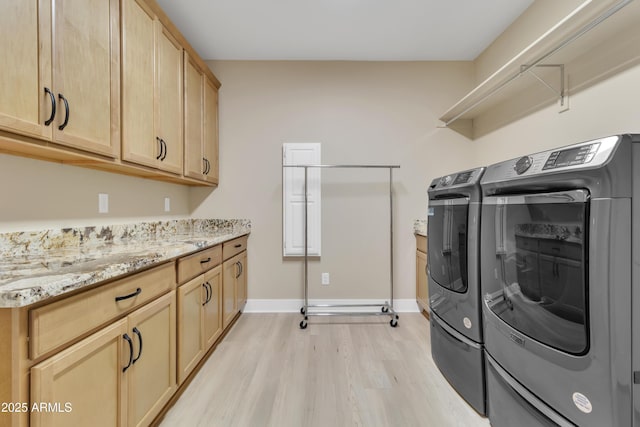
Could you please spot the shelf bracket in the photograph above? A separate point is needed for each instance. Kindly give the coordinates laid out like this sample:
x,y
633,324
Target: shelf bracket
x,y
560,94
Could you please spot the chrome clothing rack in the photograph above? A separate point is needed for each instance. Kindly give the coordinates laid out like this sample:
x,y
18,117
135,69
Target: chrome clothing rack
x,y
386,309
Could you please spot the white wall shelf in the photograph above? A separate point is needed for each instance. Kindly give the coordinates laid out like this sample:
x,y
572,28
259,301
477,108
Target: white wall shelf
x,y
591,43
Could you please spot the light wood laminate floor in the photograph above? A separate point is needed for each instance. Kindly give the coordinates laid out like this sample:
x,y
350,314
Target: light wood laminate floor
x,y
340,371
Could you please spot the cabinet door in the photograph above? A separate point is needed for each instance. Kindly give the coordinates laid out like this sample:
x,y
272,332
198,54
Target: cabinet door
x,y
26,68
422,291
213,307
230,274
194,164
152,376
169,100
241,285
86,74
139,142
191,297
89,377
210,136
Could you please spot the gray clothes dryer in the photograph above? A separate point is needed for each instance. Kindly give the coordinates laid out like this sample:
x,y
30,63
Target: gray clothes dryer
x,y
453,223
559,255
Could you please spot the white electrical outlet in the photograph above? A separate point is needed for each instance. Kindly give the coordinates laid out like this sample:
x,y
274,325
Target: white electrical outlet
x,y
325,279
167,204
103,203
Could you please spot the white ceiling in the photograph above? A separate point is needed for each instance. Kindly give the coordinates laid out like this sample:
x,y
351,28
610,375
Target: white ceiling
x,y
366,30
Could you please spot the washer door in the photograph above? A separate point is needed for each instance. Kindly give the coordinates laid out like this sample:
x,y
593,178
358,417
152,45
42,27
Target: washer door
x,y
538,250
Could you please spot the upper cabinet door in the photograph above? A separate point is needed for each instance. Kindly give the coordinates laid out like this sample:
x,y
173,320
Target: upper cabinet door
x,y
140,144
169,99
210,137
194,161
86,70
26,70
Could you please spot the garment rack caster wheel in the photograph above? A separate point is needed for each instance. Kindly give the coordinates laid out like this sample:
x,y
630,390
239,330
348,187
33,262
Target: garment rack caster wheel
x,y
394,322
303,324
385,309
303,311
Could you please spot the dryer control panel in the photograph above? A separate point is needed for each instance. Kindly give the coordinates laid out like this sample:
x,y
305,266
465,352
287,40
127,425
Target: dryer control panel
x,y
578,156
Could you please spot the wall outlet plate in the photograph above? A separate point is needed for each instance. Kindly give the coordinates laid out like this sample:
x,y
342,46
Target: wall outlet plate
x,y
103,203
325,279
167,204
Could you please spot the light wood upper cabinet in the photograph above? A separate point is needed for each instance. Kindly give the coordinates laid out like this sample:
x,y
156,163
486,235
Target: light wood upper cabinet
x,y
52,89
194,164
24,105
152,90
201,124
169,117
210,132
89,376
86,72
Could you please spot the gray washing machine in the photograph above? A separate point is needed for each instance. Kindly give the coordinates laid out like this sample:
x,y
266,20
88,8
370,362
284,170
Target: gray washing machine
x,y
560,260
453,227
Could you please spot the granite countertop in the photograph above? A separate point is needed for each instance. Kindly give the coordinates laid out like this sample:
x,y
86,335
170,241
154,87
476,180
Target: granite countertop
x,y
38,265
420,227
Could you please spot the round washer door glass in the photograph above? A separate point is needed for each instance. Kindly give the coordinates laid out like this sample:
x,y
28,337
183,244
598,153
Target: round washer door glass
x,y
534,264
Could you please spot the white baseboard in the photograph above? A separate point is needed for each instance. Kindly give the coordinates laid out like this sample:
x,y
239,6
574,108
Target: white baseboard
x,y
294,305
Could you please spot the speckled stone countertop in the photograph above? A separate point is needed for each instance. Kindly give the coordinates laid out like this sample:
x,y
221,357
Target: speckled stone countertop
x,y
38,265
420,227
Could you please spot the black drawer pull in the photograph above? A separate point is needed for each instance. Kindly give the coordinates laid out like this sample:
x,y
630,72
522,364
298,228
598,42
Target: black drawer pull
x,y
239,245
66,110
126,337
131,295
137,332
164,147
204,261
53,106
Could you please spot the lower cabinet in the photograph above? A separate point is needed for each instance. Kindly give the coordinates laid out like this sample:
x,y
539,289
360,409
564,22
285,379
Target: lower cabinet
x,y
121,375
422,287
234,281
199,319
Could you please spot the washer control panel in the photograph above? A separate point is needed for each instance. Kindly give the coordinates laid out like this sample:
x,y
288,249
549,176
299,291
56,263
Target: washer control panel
x,y
572,157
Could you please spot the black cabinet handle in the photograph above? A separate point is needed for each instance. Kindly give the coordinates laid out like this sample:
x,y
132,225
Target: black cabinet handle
x,y
239,269
210,291
126,337
204,261
137,332
66,112
131,295
206,290
239,245
204,166
207,166
164,145
159,141
53,106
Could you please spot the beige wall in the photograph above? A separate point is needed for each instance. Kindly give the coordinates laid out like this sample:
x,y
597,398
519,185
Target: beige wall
x,y
36,195
361,112
607,108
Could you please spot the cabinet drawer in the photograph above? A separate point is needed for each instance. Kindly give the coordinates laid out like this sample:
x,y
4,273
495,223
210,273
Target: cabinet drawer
x,y
53,325
193,265
234,247
561,248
